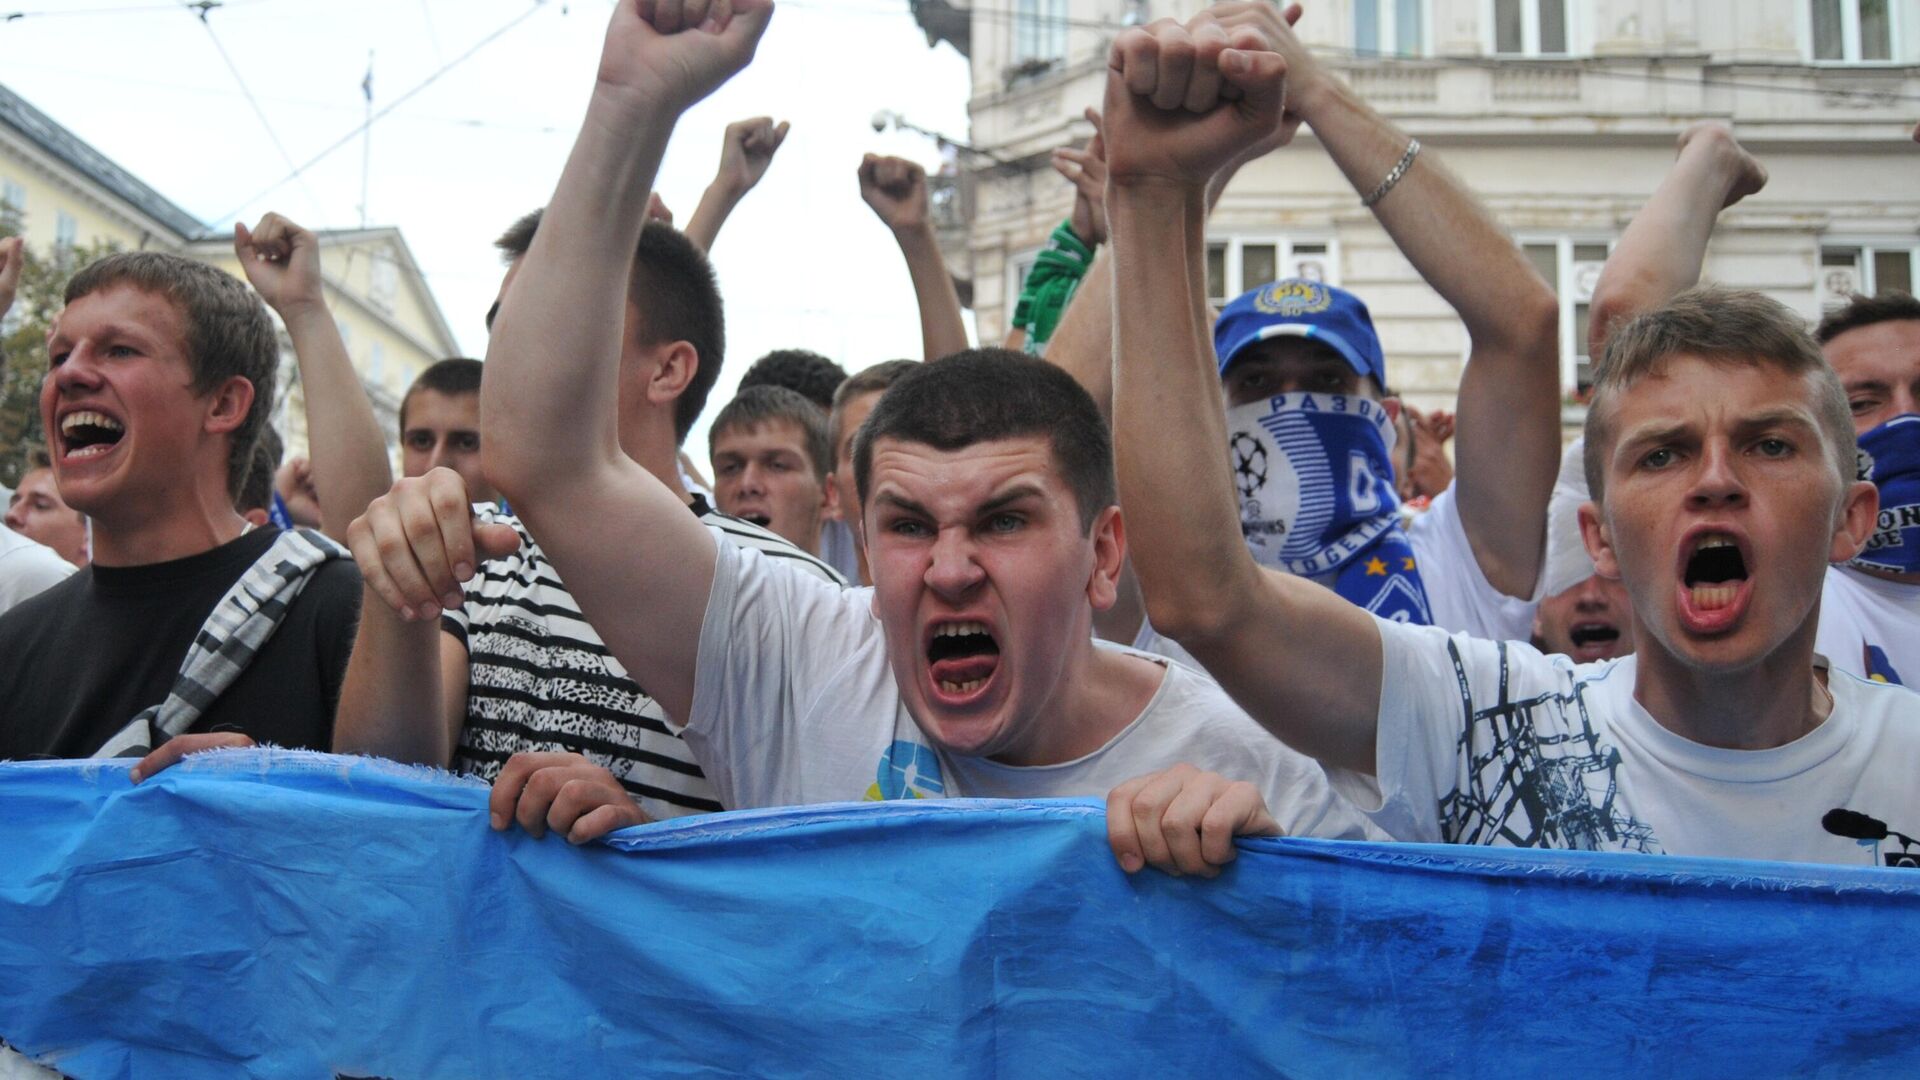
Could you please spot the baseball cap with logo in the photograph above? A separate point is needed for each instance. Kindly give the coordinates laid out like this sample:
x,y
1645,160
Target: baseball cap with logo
x,y
1297,307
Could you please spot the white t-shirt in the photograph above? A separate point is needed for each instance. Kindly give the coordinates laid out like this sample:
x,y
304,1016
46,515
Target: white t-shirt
x,y
1493,743
27,569
1459,595
794,703
1870,627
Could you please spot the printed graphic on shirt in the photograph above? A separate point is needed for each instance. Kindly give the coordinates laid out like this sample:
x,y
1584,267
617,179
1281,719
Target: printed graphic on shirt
x,y
907,770
1547,785
1878,668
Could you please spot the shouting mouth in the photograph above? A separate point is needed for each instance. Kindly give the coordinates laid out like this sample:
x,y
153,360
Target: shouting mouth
x,y
1593,639
962,658
1714,582
86,433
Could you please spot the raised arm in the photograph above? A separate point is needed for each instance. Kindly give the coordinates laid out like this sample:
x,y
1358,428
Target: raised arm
x,y
345,445
1301,660
744,156
553,365
1509,435
896,189
1660,254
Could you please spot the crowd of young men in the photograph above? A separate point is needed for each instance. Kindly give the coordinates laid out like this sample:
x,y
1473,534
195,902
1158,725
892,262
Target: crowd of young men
x,y
1204,564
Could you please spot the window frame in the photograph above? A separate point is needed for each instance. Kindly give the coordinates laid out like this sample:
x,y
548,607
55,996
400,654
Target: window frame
x,y
1388,21
1850,36
1866,275
1045,28
1572,349
1530,30
1284,257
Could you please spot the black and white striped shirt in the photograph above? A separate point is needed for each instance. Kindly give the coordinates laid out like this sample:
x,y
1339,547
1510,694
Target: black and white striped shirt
x,y
540,679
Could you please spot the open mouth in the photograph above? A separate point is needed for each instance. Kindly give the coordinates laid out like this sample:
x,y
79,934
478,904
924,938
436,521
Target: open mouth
x,y
765,521
85,433
1593,634
1715,572
962,657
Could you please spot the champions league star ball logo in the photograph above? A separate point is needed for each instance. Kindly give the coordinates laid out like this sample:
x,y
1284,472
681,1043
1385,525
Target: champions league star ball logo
x,y
1862,464
1249,463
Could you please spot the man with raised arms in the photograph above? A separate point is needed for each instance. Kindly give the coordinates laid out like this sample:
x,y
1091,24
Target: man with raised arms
x,y
1719,458
970,668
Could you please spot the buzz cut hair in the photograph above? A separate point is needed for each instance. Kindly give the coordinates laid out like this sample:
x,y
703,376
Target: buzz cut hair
x,y
767,404
1728,328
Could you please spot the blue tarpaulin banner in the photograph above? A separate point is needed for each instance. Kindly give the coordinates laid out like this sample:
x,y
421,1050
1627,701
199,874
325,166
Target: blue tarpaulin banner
x,y
273,913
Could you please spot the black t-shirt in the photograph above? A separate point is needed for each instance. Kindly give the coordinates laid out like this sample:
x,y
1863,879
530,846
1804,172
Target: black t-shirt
x,y
80,660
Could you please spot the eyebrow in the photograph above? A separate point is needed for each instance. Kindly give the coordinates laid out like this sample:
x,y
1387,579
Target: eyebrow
x,y
1017,493
900,502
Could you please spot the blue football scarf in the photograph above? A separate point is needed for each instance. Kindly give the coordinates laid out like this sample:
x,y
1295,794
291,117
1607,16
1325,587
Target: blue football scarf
x,y
1890,458
1317,498
278,516
266,913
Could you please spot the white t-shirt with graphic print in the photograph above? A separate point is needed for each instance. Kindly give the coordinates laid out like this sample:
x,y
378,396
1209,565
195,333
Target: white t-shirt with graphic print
x,y
1493,743
1870,627
794,703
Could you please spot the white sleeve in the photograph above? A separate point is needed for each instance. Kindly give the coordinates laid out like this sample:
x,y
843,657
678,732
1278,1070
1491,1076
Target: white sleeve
x,y
1428,681
27,570
773,633
1459,595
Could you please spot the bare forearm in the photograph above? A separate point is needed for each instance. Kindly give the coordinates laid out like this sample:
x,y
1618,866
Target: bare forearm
x,y
390,703
1082,345
942,331
345,443
716,203
556,343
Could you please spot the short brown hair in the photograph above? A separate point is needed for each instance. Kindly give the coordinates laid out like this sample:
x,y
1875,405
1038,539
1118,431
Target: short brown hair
x,y
871,380
765,404
1861,311
1731,328
673,287
228,332
452,377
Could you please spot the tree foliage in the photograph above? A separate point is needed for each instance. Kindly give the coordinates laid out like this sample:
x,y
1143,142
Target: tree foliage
x,y
23,344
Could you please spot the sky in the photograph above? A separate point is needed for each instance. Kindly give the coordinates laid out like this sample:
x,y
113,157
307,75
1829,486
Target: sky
x,y
802,262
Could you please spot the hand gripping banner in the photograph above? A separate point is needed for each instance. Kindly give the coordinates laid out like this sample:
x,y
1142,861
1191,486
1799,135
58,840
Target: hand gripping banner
x,y
270,913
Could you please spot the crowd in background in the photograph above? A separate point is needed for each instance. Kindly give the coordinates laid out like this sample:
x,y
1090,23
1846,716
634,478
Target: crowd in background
x,y
1204,563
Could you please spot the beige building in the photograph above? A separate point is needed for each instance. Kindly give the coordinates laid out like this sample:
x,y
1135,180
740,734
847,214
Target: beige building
x,y
68,194
1562,114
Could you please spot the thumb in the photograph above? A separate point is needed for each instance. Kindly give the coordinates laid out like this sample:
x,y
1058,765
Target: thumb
x,y
242,237
749,21
495,541
1260,76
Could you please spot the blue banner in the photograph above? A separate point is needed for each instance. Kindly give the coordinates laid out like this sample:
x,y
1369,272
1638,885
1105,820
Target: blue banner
x,y
272,913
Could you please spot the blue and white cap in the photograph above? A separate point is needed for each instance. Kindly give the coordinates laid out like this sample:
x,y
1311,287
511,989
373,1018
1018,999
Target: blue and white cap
x,y
1297,307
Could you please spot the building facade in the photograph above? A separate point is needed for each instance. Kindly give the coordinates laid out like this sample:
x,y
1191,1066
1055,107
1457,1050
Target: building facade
x,y
62,193
1561,114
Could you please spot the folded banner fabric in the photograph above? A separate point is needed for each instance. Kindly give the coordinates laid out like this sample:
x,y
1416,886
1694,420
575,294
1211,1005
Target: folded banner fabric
x,y
270,913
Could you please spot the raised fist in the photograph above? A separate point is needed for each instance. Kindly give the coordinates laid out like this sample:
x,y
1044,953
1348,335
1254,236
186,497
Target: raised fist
x,y
896,189
1086,169
665,55
281,261
1184,101
748,150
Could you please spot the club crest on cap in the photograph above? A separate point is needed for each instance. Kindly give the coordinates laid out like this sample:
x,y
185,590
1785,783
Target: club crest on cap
x,y
1293,297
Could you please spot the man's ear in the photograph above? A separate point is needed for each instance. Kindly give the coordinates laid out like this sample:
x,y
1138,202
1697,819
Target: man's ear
x,y
1392,405
256,518
228,405
1859,515
1599,540
1109,556
830,504
672,368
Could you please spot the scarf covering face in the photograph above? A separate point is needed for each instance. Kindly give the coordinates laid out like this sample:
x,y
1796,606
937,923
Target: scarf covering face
x,y
1316,498
1890,458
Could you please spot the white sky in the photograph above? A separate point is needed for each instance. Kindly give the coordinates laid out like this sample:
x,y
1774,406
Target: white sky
x,y
802,262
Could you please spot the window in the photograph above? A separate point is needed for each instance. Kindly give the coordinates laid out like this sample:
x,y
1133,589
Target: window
x,y
1039,34
1852,31
1571,268
1530,28
1390,27
13,195
384,286
1236,264
1866,269
377,364
66,231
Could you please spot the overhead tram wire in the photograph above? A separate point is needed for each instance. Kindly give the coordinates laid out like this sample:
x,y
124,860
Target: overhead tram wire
x,y
247,92
387,108
127,9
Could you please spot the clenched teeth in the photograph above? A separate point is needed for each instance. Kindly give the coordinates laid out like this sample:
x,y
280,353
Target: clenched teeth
x,y
947,686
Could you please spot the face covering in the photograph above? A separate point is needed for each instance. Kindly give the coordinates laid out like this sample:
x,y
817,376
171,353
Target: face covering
x,y
1890,458
1316,497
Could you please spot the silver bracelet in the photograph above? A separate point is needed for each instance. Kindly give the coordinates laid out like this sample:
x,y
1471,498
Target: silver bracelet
x,y
1394,176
